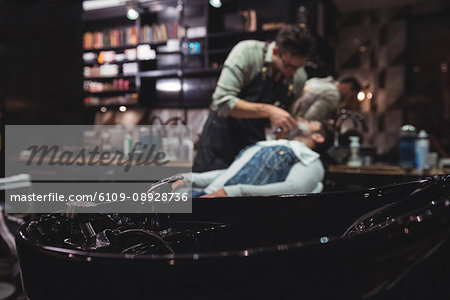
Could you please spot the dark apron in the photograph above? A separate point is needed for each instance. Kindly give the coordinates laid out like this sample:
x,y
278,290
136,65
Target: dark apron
x,y
224,137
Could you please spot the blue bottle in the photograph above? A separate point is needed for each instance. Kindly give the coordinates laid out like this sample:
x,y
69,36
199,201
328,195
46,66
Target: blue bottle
x,y
406,147
422,149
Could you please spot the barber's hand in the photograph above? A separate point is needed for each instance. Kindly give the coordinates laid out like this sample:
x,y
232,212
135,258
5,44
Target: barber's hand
x,y
281,119
178,184
219,193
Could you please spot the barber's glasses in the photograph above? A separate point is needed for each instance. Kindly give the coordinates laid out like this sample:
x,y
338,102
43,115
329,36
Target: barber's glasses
x,y
288,65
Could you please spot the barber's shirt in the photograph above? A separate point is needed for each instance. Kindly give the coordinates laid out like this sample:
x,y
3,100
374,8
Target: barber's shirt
x,y
242,65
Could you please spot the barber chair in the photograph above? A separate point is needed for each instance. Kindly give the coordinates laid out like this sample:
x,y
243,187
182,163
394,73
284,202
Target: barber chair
x,y
339,245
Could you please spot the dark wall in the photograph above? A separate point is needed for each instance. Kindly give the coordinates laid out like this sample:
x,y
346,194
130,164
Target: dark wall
x,y
41,66
427,105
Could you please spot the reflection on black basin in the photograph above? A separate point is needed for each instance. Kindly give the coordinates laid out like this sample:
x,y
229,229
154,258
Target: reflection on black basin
x,y
333,245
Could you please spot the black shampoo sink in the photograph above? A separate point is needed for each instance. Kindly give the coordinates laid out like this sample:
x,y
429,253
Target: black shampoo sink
x,y
320,246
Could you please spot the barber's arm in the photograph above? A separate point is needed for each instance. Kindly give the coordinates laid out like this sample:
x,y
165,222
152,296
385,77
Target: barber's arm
x,y
279,118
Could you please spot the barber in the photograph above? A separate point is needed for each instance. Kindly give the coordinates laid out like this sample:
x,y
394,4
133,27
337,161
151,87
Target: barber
x,y
257,85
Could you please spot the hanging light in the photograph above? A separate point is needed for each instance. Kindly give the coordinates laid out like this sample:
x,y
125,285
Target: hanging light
x,y
215,3
361,96
132,10
180,5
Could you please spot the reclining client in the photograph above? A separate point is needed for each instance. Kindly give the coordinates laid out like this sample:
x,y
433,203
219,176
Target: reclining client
x,y
285,166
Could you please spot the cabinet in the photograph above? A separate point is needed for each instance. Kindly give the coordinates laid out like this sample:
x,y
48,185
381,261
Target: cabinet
x,y
110,61
171,56
158,60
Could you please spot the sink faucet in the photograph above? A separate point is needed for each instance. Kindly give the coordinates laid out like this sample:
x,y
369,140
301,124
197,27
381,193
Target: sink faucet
x,y
343,115
160,222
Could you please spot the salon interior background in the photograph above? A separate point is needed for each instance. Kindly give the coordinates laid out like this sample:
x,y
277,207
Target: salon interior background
x,y
399,49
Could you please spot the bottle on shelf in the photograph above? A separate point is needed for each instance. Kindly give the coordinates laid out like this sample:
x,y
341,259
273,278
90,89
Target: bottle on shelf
x,y
355,159
422,149
406,147
105,140
144,138
127,144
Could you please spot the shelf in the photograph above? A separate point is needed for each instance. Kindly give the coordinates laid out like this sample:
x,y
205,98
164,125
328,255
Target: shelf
x,y
178,72
160,73
181,64
180,53
111,106
210,35
111,63
115,105
109,77
240,33
142,60
153,43
96,101
169,52
121,48
110,92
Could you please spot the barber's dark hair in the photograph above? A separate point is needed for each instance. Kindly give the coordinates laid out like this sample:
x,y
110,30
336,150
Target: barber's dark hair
x,y
295,39
356,86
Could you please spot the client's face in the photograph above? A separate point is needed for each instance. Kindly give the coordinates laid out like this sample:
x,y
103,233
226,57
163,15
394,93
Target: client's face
x,y
308,127
305,129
